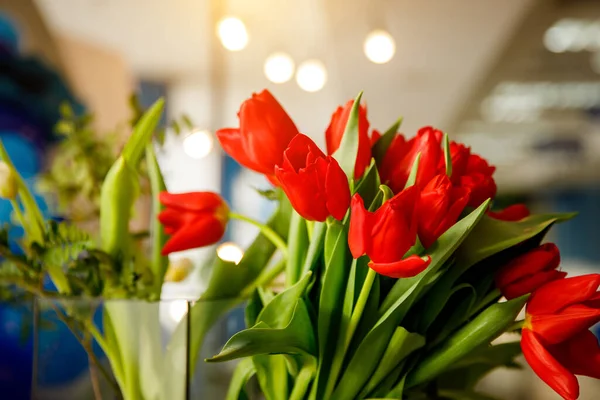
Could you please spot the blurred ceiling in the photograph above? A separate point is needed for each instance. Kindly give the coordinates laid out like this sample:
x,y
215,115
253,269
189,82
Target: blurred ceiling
x,y
444,48
458,65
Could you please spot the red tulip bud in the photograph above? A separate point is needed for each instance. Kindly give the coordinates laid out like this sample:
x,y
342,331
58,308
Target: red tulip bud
x,y
556,341
195,219
387,234
439,207
264,133
516,212
529,271
315,184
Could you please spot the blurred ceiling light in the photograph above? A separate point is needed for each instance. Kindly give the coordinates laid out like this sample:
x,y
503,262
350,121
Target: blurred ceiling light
x,y
178,309
557,40
379,47
230,252
279,68
198,144
570,34
233,34
311,75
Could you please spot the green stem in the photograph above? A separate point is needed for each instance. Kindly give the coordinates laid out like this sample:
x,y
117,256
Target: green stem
x,y
265,278
265,230
363,297
108,350
17,209
343,345
516,326
303,382
310,226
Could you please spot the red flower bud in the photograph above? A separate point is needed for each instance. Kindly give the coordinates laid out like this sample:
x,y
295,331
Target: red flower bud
x,y
556,341
439,207
529,271
478,179
516,212
195,219
264,133
387,234
400,157
335,132
315,184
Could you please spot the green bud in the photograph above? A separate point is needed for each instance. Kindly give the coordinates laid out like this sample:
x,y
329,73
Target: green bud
x,y
482,330
8,182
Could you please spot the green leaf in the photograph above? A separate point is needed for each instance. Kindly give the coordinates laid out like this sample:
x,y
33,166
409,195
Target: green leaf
x,y
492,236
368,186
396,305
253,308
387,192
304,378
296,338
268,194
279,311
241,375
331,301
142,134
412,178
483,329
381,146
456,312
272,375
347,152
315,248
447,155
297,248
402,344
159,262
398,390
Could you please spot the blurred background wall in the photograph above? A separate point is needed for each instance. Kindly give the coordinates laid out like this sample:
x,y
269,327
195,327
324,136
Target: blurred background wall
x,y
518,80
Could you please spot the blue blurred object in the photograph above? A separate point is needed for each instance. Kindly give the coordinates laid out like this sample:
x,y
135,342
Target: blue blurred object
x,y
15,351
9,37
30,98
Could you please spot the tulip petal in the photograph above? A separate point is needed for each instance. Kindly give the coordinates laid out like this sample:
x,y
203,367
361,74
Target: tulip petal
x,y
231,141
191,201
405,268
543,258
200,233
529,283
555,375
558,327
580,354
516,212
360,227
556,295
337,190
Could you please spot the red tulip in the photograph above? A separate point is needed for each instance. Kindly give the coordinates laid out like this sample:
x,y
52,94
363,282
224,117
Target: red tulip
x,y
195,219
400,157
264,133
315,183
439,207
387,234
516,212
526,273
375,136
478,179
556,341
335,132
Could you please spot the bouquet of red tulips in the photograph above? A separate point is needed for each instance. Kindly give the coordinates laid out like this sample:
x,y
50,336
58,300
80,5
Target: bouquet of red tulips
x,y
398,274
